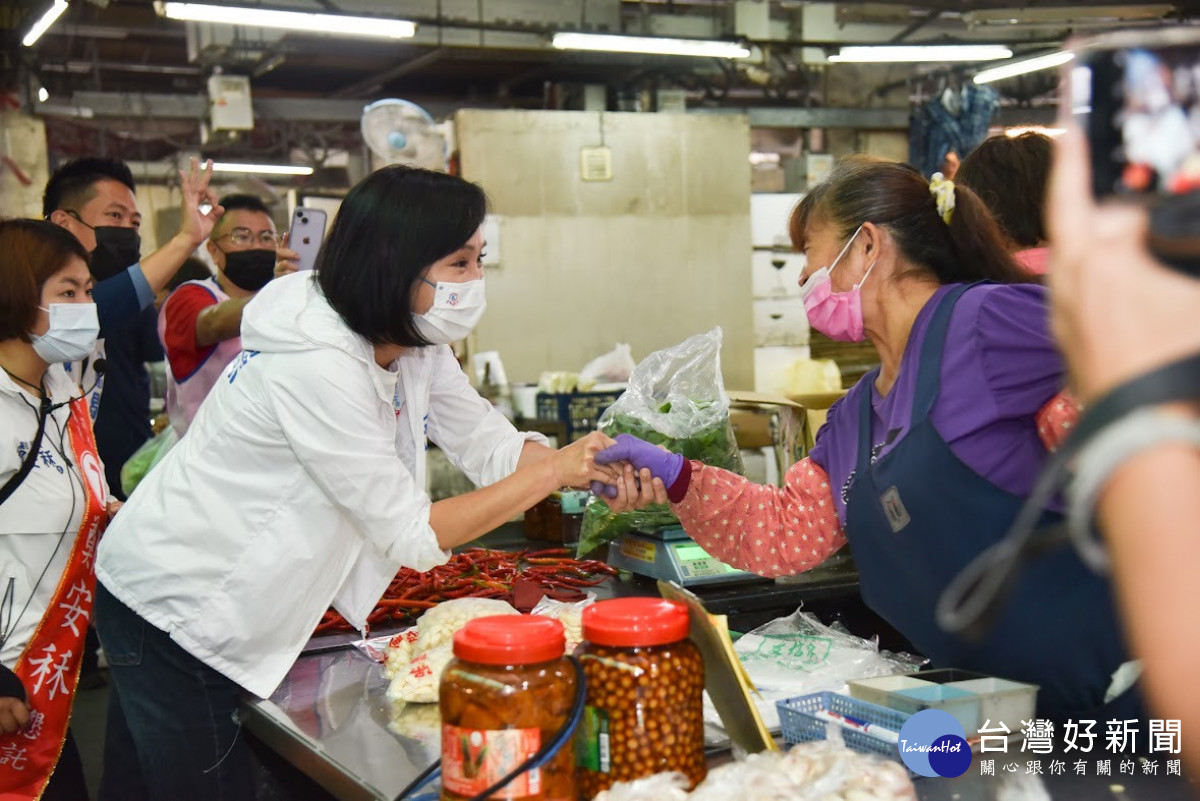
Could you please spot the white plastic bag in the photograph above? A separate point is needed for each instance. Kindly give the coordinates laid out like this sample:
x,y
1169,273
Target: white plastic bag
x,y
824,770
613,367
798,655
415,663
569,613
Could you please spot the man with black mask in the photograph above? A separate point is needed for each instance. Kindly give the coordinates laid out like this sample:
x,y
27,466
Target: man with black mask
x,y
94,199
201,322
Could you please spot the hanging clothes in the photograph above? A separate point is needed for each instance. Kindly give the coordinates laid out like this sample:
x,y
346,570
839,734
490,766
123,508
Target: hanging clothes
x,y
955,119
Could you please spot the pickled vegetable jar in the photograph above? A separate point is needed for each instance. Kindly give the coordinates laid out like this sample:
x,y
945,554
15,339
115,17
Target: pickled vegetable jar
x,y
507,691
645,686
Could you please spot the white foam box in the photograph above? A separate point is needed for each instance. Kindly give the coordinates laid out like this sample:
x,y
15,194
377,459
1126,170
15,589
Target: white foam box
x,y
776,274
1001,701
769,215
780,323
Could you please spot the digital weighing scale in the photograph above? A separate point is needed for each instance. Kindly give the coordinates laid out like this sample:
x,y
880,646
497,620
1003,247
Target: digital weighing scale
x,y
670,554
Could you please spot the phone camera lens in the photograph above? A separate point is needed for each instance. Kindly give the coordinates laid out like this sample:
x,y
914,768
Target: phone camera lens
x,y
304,220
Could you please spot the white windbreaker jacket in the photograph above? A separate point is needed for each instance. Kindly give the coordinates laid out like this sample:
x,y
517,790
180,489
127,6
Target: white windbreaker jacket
x,y
300,484
41,519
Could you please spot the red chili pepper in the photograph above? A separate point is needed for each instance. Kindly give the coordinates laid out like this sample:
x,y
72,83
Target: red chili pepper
x,y
547,553
596,566
571,581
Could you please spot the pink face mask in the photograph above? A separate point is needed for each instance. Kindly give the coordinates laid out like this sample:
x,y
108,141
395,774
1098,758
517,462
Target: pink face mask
x,y
837,315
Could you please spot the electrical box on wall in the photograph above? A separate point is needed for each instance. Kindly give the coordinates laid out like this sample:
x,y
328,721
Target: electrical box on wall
x,y
229,107
595,163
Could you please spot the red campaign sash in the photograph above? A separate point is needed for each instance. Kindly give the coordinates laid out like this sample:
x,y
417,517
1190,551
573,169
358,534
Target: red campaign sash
x,y
49,665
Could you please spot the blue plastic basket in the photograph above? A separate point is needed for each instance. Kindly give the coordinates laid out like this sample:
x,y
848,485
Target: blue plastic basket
x,y
579,411
800,724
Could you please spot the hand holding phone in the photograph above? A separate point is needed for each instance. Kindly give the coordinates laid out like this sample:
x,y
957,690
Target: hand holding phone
x,y
306,235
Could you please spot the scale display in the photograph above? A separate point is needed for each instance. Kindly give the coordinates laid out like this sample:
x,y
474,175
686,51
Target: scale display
x,y
672,556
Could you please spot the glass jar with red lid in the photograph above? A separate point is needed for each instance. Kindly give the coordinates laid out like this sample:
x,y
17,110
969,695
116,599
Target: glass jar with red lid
x,y
507,692
645,688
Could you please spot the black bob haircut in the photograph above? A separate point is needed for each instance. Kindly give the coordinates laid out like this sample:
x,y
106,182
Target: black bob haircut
x,y
71,184
391,227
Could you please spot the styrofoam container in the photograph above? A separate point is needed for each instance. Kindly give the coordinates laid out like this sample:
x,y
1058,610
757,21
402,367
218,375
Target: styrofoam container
x,y
962,704
879,690
947,675
1001,701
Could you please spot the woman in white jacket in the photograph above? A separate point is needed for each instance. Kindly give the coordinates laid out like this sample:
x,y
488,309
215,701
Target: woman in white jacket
x,y
53,505
301,483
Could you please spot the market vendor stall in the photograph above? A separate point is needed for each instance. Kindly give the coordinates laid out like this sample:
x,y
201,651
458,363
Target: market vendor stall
x,y
332,720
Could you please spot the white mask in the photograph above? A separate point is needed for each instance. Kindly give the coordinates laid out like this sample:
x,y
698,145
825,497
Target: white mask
x,y
456,310
72,335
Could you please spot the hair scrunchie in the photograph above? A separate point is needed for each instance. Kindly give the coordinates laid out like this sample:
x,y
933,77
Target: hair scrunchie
x,y
942,189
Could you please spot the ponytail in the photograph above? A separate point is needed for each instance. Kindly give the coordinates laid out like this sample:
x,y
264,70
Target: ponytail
x,y
942,228
980,250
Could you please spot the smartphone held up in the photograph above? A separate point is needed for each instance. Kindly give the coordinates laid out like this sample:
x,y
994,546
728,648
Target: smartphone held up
x,y
306,234
1137,97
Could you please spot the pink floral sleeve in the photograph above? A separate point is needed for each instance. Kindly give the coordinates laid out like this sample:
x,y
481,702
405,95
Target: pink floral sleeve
x,y
772,531
1056,419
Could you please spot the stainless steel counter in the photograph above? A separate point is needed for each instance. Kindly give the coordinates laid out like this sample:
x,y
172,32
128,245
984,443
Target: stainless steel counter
x,y
329,719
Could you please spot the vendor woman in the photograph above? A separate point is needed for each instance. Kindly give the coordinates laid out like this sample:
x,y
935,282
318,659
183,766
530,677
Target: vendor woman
x,y
301,483
926,460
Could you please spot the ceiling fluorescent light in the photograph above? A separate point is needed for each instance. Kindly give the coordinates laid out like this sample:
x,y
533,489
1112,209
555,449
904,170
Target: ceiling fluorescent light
x,y
42,25
291,20
649,44
894,53
262,169
1023,66
1066,14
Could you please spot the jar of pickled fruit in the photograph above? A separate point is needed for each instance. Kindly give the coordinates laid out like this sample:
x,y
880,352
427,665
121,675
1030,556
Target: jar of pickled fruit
x,y
508,691
645,686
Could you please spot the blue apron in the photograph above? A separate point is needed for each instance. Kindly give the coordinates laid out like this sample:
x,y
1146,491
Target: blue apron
x,y
918,514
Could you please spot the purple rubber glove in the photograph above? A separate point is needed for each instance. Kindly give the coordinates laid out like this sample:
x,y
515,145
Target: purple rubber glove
x,y
662,464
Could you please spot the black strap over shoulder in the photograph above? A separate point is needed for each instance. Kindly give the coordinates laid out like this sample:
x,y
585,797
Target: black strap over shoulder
x,y
975,595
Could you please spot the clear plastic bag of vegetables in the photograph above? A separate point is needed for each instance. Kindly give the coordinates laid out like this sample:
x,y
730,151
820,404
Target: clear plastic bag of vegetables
x,y
146,457
676,398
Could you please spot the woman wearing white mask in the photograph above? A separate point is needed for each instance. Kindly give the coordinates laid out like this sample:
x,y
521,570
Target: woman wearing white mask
x,y
927,459
53,505
300,483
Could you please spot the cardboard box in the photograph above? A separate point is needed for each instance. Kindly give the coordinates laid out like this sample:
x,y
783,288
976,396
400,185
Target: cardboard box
x,y
767,180
753,421
816,409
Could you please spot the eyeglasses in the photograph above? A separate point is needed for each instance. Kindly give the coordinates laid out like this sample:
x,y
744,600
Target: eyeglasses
x,y
244,236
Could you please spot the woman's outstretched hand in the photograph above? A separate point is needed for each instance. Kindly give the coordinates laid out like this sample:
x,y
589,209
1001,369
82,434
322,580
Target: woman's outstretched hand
x,y
576,464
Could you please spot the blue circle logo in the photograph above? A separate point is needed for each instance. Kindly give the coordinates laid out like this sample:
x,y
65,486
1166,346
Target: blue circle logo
x,y
933,743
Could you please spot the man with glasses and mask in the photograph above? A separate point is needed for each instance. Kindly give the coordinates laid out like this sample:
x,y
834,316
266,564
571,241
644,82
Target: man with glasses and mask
x,y
94,199
200,324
